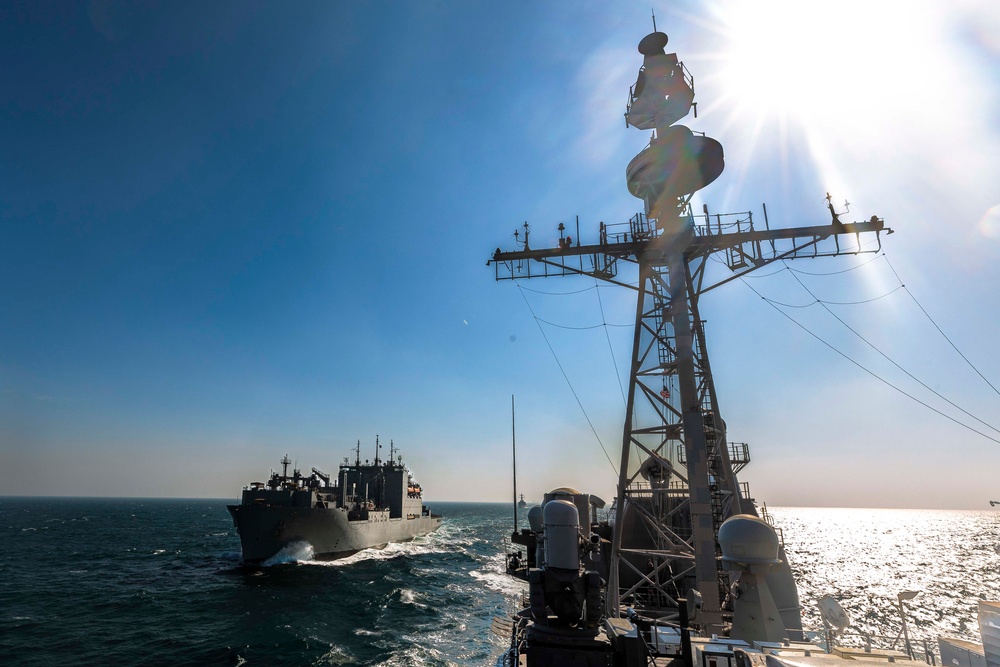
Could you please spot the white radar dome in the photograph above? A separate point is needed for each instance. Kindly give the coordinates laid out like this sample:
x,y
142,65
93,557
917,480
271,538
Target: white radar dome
x,y
562,534
535,519
745,538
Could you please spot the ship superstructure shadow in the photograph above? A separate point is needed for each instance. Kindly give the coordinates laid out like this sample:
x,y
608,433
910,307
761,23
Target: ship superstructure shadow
x,y
678,470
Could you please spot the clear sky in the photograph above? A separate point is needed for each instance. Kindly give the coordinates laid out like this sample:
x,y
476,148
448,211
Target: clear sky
x,y
235,230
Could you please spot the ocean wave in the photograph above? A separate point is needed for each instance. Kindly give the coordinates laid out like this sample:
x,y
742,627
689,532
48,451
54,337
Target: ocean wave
x,y
500,582
416,656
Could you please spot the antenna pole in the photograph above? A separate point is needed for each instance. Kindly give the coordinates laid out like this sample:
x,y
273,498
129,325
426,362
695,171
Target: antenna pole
x,y
654,19
513,446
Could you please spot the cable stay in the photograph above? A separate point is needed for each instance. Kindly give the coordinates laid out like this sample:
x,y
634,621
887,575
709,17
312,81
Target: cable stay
x,y
611,349
931,320
582,328
834,273
879,377
824,303
538,291
566,377
858,303
893,362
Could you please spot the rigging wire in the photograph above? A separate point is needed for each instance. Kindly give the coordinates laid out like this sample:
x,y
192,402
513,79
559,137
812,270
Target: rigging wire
x,y
766,275
829,303
855,303
592,326
870,372
931,320
538,291
611,349
566,377
833,273
890,360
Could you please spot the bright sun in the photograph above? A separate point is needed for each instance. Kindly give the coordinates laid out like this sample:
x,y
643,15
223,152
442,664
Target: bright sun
x,y
827,67
855,80
818,61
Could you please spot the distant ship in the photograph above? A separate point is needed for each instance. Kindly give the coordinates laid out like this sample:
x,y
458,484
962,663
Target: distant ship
x,y
368,505
522,502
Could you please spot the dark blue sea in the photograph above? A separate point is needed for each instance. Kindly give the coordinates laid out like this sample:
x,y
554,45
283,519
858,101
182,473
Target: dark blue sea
x,y
160,582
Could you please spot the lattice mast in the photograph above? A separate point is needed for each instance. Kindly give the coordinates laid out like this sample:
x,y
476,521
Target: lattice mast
x,y
677,474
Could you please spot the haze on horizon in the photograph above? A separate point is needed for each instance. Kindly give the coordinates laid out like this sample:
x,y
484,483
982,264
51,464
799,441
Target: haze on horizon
x,y
231,231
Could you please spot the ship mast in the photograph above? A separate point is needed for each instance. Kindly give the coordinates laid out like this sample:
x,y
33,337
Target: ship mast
x,y
677,475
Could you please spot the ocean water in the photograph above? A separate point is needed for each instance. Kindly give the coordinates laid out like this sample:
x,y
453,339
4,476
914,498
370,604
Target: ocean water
x,y
159,582
866,557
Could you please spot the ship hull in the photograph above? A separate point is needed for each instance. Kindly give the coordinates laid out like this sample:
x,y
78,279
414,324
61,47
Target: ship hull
x,y
266,529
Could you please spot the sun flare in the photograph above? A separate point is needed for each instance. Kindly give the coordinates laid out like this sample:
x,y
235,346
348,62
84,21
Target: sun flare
x,y
824,63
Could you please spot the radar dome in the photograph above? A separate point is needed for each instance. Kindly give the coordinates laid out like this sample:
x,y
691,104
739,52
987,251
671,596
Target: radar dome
x,y
535,519
745,538
562,530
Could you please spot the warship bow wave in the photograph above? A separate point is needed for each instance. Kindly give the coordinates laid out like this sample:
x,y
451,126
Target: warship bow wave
x,y
368,505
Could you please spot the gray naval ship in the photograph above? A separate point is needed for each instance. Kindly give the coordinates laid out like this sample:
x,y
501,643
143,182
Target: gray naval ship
x,y
687,570
368,505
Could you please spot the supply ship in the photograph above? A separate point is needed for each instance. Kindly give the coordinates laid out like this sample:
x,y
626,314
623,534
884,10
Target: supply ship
x,y
688,569
369,504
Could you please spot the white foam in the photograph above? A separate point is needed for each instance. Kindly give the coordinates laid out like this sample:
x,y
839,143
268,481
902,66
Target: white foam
x,y
420,545
409,596
296,552
501,583
416,656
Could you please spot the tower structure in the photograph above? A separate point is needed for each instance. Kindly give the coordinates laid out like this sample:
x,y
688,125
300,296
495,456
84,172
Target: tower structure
x,y
677,477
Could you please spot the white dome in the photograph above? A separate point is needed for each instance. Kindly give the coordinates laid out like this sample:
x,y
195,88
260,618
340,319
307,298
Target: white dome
x,y
745,538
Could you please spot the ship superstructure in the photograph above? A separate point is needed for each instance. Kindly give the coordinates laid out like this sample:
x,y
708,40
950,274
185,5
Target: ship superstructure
x,y
369,504
687,550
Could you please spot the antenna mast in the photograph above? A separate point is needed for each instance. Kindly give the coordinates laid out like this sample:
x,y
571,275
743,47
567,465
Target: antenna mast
x,y
677,478
513,447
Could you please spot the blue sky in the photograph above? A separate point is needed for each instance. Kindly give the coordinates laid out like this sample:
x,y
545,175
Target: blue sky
x,y
234,230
